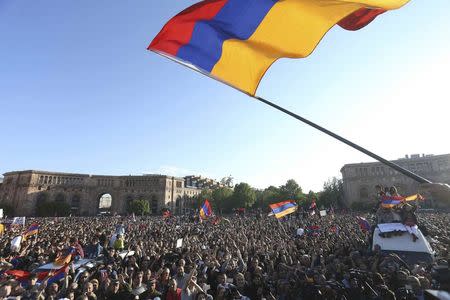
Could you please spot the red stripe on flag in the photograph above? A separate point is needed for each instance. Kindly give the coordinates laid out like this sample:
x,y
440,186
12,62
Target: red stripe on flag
x,y
360,18
182,26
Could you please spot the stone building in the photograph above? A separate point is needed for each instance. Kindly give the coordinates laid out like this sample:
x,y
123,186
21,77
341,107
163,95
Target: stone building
x,y
25,190
360,179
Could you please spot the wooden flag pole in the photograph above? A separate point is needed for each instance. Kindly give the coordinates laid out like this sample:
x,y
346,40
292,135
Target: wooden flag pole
x,y
396,167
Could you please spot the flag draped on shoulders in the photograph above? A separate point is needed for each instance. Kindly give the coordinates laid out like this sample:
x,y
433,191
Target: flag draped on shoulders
x,y
205,210
283,208
236,41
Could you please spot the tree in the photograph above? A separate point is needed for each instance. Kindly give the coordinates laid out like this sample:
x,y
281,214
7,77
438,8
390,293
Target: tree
x,y
332,194
221,197
139,207
270,195
243,196
227,181
291,190
54,208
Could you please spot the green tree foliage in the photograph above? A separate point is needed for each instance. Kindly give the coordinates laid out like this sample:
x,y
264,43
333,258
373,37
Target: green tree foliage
x,y
270,195
291,190
244,196
139,207
362,206
221,198
227,181
53,208
332,194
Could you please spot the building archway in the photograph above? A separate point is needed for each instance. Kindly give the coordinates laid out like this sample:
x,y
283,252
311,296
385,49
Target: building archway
x,y
179,205
41,199
363,193
75,204
104,203
154,205
60,197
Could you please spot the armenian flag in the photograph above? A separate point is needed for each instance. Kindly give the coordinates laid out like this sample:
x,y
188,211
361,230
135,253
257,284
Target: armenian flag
x,y
32,230
65,257
283,208
414,197
56,276
236,41
391,201
206,210
363,224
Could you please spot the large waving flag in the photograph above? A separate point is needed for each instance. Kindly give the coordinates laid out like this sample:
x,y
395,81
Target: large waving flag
x,y
236,41
283,208
206,210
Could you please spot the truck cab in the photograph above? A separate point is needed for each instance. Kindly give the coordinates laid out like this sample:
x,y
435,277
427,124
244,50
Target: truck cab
x,y
395,238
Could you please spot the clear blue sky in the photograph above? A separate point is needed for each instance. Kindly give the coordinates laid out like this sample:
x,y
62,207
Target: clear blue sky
x,y
80,93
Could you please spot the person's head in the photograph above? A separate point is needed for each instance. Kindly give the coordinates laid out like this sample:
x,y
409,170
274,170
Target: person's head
x,y
165,274
402,276
153,284
71,295
84,277
5,290
88,288
221,278
415,283
172,285
53,289
393,190
257,280
201,296
180,271
255,262
33,279
115,284
378,279
239,280
95,284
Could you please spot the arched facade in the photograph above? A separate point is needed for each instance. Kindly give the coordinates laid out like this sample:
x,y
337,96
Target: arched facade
x,y
23,190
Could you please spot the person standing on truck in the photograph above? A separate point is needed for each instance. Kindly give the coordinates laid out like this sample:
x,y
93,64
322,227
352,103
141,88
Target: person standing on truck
x,y
409,219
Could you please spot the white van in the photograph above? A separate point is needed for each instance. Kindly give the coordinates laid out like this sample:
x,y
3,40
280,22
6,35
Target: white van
x,y
402,244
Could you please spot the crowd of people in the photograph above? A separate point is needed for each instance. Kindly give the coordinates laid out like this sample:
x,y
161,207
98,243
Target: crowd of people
x,y
251,256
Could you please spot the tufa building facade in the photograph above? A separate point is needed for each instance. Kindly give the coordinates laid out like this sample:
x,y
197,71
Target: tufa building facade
x,y
360,179
23,191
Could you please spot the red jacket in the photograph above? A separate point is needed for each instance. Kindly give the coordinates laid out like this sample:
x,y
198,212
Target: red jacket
x,y
171,295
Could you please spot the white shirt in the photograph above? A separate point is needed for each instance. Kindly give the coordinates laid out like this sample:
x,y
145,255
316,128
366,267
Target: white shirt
x,y
300,231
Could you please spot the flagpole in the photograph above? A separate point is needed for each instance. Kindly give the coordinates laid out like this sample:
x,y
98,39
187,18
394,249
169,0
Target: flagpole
x,y
396,167
282,227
